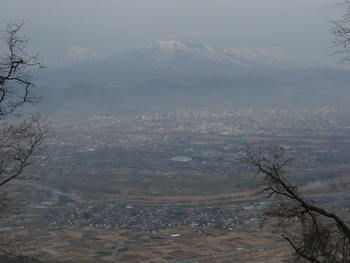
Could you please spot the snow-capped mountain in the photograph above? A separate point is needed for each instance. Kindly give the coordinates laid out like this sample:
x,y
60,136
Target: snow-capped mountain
x,y
275,57
72,55
175,55
178,56
170,73
169,60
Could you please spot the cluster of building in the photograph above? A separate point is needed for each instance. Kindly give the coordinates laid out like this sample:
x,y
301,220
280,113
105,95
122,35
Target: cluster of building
x,y
118,146
95,152
229,120
127,141
151,219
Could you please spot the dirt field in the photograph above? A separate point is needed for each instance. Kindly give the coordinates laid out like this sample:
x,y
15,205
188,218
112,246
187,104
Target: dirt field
x,y
84,244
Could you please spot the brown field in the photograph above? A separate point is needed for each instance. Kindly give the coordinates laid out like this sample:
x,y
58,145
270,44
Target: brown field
x,y
84,244
180,186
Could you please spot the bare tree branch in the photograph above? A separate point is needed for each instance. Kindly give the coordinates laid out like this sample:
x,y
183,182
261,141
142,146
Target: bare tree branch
x,y
20,138
320,236
341,33
15,82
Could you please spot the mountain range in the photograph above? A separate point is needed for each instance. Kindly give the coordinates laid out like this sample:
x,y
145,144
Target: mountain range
x,y
162,53
170,73
72,55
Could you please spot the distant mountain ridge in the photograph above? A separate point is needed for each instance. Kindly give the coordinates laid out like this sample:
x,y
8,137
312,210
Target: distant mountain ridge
x,y
167,54
69,57
275,57
173,55
84,99
165,58
170,73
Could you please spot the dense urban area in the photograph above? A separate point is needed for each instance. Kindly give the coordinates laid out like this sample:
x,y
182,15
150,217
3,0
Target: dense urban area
x,y
162,172
228,120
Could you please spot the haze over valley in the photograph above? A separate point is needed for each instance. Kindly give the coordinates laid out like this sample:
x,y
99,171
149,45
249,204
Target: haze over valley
x,y
152,106
149,143
173,75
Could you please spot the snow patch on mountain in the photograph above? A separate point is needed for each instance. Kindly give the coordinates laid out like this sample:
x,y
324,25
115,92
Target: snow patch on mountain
x,y
275,57
163,53
70,56
174,55
262,55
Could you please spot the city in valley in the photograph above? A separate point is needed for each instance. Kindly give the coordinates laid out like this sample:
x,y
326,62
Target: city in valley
x,y
169,185
174,131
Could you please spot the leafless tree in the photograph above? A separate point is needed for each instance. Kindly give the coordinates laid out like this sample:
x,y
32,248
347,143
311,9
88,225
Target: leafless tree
x,y
21,138
341,32
315,234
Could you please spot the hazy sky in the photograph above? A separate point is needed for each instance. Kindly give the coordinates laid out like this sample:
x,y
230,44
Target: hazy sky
x,y
300,27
